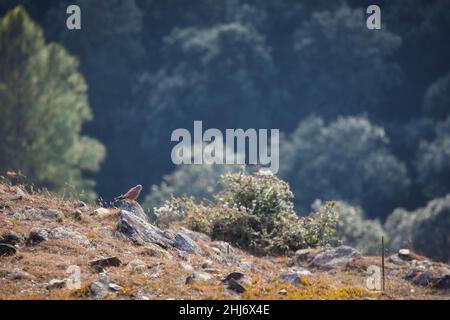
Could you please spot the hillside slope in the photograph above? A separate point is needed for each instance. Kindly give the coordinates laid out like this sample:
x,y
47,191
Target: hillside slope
x,y
46,242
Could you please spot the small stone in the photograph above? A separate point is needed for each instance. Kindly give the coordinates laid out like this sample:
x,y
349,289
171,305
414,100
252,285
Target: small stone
x,y
53,214
396,259
37,236
283,292
234,276
101,212
404,254
99,289
292,278
99,264
235,286
7,250
20,193
198,276
19,274
136,265
68,234
186,266
81,205
11,237
78,215
56,284
114,287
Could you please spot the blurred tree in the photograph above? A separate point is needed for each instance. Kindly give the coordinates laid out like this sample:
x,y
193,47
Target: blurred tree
x,y
424,230
353,229
43,106
222,75
437,98
433,162
198,181
111,55
342,67
348,160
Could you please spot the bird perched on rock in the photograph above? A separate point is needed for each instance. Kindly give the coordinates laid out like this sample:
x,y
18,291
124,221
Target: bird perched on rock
x,y
131,194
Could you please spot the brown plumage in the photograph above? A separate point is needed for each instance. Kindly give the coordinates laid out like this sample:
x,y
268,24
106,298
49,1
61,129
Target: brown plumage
x,y
131,194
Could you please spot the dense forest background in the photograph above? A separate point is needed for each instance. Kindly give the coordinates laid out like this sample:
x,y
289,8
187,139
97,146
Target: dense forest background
x,y
364,114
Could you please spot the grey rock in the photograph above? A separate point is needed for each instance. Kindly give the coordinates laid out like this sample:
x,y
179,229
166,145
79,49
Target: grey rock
x,y
424,279
52,214
99,264
233,275
303,255
422,264
19,274
136,265
7,250
198,276
185,243
196,236
141,232
223,247
404,254
37,235
300,271
235,286
12,238
20,193
56,284
443,282
68,234
99,289
78,215
114,287
397,260
183,255
292,278
334,257
134,208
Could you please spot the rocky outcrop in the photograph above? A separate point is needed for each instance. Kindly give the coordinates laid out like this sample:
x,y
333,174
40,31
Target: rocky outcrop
x,y
332,258
185,243
141,232
133,207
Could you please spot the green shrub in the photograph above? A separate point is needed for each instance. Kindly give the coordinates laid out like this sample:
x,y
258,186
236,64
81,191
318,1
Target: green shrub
x,y
256,213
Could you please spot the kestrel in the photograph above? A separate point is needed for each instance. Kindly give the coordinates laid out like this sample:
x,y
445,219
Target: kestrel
x,y
131,194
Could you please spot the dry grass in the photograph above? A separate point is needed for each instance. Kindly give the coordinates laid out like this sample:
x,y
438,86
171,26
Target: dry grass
x,y
164,277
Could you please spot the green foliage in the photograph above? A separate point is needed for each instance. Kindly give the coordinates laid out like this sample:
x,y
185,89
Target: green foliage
x,y
255,212
354,230
43,107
